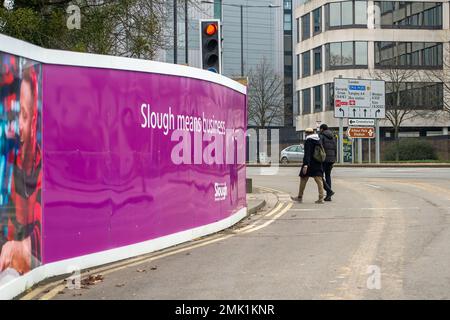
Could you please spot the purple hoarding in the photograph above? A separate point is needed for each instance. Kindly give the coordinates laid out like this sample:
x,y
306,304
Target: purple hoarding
x,y
132,156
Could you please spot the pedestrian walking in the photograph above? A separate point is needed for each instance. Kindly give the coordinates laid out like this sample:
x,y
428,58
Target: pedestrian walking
x,y
329,143
312,165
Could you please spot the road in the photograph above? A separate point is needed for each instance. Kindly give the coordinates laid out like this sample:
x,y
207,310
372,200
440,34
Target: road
x,y
389,226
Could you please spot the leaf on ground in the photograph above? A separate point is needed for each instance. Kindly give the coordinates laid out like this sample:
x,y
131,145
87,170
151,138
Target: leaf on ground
x,y
141,270
92,280
153,268
120,285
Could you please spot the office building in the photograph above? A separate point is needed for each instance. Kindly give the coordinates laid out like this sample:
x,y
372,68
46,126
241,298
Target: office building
x,y
366,39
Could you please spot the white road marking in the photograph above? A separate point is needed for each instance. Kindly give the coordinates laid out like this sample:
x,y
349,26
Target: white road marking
x,y
374,186
289,205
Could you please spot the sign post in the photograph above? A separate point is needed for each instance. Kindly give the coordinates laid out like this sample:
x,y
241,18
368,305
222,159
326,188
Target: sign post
x,y
360,150
363,101
377,142
341,140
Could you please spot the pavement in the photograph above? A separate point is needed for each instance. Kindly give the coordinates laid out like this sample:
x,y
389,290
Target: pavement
x,y
385,235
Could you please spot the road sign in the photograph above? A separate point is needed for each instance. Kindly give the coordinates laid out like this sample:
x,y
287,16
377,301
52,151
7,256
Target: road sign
x,y
359,98
361,132
361,122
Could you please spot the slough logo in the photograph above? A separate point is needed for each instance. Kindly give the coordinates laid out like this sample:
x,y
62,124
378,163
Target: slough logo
x,y
221,191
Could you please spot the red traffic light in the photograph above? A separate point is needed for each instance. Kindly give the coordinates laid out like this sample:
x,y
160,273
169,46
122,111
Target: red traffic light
x,y
211,29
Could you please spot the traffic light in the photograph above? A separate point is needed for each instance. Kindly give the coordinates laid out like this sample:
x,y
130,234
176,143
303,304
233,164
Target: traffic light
x,y
210,42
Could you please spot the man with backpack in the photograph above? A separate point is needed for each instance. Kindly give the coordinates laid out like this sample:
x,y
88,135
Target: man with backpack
x,y
312,164
329,143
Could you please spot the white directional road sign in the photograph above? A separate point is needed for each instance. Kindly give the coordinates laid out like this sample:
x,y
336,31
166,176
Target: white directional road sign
x,y
357,98
361,122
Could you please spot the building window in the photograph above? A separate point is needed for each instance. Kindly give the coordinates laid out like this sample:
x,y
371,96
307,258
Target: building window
x,y
419,95
334,14
287,22
306,27
298,30
306,101
317,59
409,14
417,55
344,55
346,13
287,5
360,53
347,53
298,66
317,20
317,99
360,13
306,64
297,108
329,96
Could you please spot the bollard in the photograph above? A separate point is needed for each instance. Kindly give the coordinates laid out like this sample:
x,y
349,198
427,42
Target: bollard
x,y
249,185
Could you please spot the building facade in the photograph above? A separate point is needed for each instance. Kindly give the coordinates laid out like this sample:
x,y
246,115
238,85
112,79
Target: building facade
x,y
370,40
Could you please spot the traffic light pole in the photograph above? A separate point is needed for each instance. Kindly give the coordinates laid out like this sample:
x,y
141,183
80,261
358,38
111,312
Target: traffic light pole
x,y
218,9
186,30
242,41
175,32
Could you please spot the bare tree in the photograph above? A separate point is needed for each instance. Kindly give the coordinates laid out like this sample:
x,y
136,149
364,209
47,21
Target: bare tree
x,y
400,104
443,76
265,96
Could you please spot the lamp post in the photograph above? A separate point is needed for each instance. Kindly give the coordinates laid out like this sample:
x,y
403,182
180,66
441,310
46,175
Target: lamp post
x,y
271,6
175,33
186,31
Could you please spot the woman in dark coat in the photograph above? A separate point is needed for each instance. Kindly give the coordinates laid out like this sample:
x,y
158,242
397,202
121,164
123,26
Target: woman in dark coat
x,y
311,167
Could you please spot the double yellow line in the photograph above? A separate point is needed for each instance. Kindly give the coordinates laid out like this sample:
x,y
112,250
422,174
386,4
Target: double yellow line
x,y
50,290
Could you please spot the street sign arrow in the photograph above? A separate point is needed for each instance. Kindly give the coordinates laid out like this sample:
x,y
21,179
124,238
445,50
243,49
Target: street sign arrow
x,y
361,122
